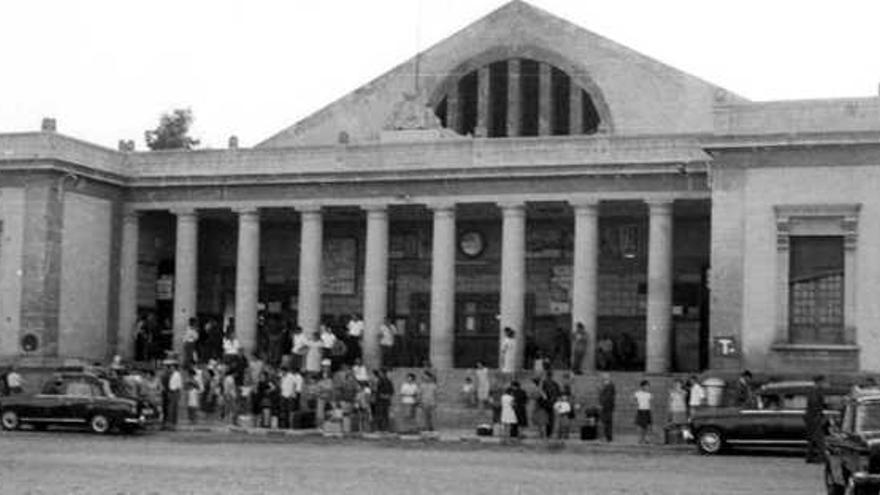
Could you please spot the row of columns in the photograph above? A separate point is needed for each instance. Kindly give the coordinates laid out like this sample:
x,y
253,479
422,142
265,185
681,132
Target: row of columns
x,y
375,290
514,101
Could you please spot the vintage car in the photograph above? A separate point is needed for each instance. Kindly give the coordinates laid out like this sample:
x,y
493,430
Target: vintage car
x,y
78,399
777,420
852,457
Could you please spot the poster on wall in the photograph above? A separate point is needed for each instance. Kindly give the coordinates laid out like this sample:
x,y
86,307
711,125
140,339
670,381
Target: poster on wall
x,y
339,266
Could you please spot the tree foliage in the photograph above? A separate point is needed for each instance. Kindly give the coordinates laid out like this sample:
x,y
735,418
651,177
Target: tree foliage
x,y
172,132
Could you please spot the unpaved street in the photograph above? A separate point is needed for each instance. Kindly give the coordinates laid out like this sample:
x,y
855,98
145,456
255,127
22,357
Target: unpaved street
x,y
74,463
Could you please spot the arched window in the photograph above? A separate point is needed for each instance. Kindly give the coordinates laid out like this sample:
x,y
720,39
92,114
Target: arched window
x,y
517,97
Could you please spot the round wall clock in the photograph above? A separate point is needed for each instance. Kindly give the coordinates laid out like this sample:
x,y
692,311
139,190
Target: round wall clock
x,y
471,243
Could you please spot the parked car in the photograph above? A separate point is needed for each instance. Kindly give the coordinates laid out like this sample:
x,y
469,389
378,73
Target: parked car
x,y
77,399
777,420
852,460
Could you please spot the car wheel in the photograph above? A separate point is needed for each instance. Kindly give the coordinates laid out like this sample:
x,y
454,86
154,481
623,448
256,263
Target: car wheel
x,y
710,441
99,424
10,420
832,487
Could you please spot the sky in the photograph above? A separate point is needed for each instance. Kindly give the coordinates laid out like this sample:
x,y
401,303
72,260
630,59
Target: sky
x,y
107,69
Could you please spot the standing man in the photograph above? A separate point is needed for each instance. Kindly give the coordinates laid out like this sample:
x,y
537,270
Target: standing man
x,y
579,341
551,392
814,417
744,395
172,397
696,395
386,341
190,342
607,398
384,393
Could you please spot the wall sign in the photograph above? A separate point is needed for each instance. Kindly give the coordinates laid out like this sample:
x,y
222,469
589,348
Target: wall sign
x,y
725,347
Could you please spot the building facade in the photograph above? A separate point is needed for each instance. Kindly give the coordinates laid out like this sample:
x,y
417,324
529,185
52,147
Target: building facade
x,y
523,173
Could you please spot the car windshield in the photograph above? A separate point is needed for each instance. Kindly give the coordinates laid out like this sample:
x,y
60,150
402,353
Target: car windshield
x,y
868,417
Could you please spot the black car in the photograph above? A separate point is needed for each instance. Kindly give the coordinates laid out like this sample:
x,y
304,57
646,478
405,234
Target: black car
x,y
77,399
777,420
852,460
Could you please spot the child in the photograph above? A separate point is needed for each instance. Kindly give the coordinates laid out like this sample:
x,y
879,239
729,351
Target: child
x,y
469,392
193,396
363,401
562,411
508,414
230,398
643,411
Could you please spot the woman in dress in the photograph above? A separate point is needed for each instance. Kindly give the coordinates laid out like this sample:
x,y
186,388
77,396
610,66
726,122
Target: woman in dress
x,y
508,351
508,414
483,384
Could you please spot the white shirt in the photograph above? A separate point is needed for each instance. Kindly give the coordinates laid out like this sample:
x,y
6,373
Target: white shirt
x,y
360,373
562,407
300,342
386,336
13,379
328,339
291,383
356,328
408,392
231,346
697,395
643,399
175,381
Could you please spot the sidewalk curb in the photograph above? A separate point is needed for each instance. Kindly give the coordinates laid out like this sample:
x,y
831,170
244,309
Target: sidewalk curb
x,y
572,445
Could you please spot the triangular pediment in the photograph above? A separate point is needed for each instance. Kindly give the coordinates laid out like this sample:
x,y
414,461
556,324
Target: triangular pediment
x,y
634,93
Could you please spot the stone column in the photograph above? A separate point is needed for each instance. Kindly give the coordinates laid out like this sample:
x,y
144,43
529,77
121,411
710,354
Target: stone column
x,y
452,108
514,96
513,273
128,281
545,99
659,318
576,110
247,278
185,272
375,283
585,275
310,251
443,287
484,103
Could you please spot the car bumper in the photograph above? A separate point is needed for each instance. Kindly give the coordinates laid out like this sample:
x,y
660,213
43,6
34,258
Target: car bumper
x,y
862,478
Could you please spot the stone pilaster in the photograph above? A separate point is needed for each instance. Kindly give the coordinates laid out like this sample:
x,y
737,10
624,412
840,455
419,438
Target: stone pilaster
x,y
443,287
576,110
375,283
310,249
513,274
484,103
128,281
659,318
247,278
545,99
185,271
585,273
453,112
514,97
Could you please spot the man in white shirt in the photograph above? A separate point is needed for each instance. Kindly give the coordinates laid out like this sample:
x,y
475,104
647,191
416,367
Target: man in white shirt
x,y
14,381
172,396
291,386
386,341
696,396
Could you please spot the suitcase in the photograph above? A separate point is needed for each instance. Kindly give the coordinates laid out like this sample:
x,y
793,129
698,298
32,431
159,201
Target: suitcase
x,y
588,432
484,430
